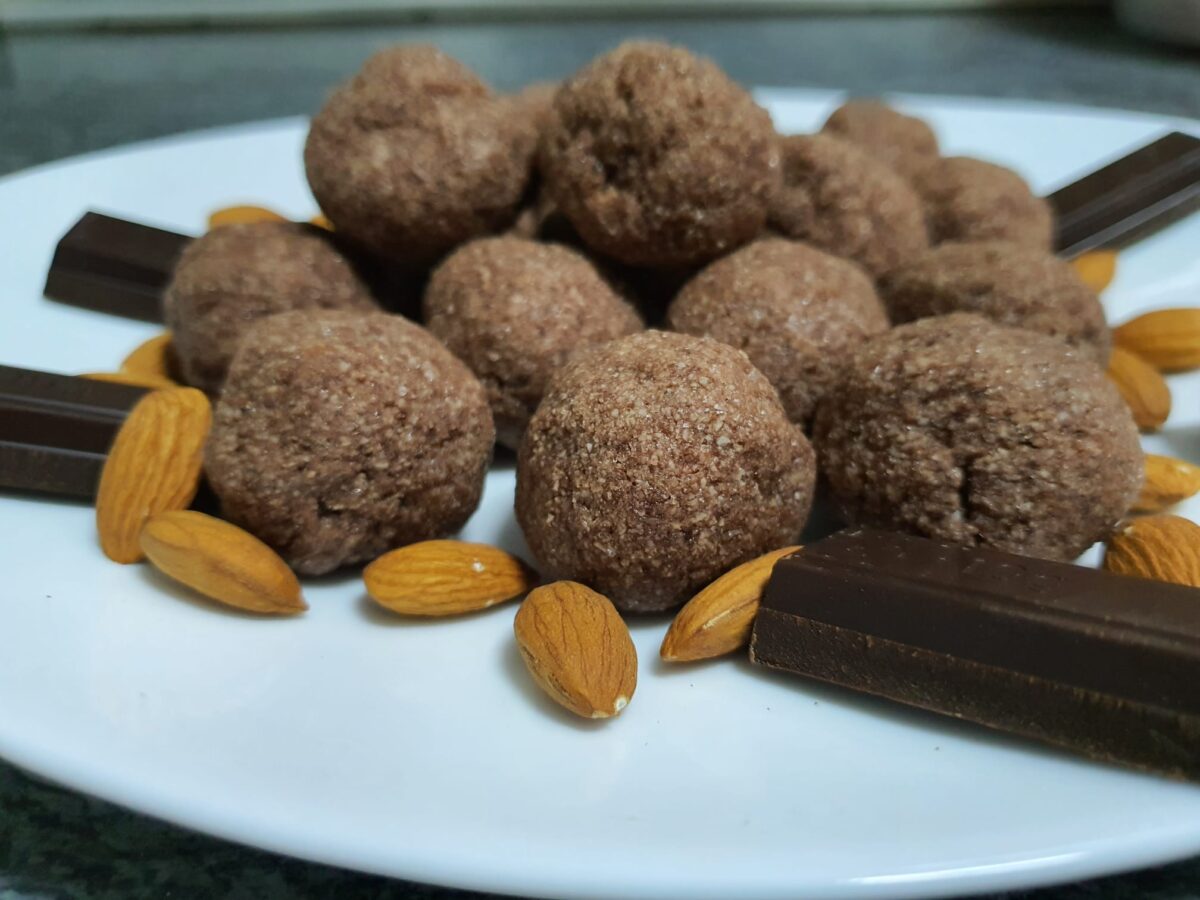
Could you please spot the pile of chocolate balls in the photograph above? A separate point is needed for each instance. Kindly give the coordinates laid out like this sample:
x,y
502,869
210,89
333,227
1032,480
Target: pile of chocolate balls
x,y
677,317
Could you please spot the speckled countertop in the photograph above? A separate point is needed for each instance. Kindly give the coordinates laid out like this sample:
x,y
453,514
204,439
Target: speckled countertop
x,y
62,94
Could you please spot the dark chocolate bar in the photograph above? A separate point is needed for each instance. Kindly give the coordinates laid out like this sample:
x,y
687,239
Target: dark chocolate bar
x,y
1102,664
114,266
1130,198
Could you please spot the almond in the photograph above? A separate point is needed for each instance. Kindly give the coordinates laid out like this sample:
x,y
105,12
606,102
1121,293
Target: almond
x,y
1163,548
154,466
1168,481
718,619
242,215
1096,268
1143,388
1167,338
221,562
321,221
577,649
133,379
152,357
446,578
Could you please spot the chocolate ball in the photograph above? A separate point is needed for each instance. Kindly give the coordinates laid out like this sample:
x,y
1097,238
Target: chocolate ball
x,y
904,143
657,462
514,311
957,428
658,159
343,435
795,311
1009,283
968,199
842,200
415,155
236,274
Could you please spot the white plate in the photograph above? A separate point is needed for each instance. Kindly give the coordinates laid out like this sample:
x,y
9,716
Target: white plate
x,y
422,750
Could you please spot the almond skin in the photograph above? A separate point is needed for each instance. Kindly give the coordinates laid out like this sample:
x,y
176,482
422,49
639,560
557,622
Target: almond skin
x,y
718,619
152,357
134,379
1168,481
1162,548
321,221
1142,387
577,649
241,215
222,562
1096,268
446,578
153,466
1167,338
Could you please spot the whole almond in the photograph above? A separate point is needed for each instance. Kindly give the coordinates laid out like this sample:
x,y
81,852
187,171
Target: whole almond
x,y
242,215
1142,387
1096,268
1163,548
446,578
1166,338
221,561
718,619
153,466
151,357
133,379
1168,481
577,649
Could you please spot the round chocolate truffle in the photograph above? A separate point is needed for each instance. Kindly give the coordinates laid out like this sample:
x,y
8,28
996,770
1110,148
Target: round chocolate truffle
x,y
415,155
514,311
655,463
1009,283
658,159
342,435
796,312
957,428
842,200
237,274
968,199
904,143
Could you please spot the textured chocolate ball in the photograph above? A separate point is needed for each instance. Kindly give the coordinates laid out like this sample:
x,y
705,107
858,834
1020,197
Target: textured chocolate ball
x,y
842,200
654,464
342,435
969,199
415,155
658,159
514,311
958,428
236,274
1012,284
795,311
904,143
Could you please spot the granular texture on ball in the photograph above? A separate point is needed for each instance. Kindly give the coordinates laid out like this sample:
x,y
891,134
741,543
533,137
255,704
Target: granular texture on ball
x,y
903,143
654,464
969,199
957,428
658,159
237,274
415,155
342,435
514,311
844,201
1012,284
795,311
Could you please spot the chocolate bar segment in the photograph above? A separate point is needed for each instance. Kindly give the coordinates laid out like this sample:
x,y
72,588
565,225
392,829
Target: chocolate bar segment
x,y
114,266
1102,664
1130,198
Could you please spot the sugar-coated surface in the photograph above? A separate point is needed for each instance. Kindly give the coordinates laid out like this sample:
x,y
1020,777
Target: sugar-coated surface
x,y
656,463
1012,284
905,143
237,274
415,155
796,312
658,158
843,200
514,311
342,435
968,199
957,428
